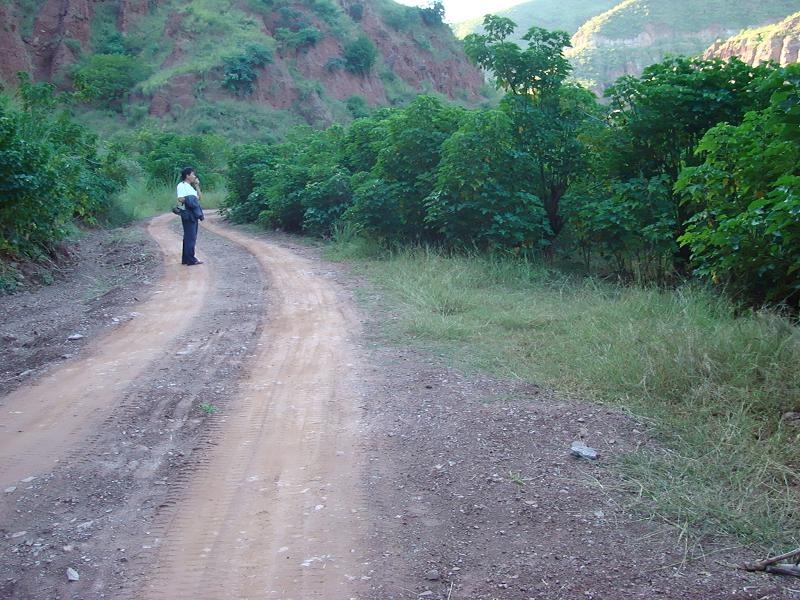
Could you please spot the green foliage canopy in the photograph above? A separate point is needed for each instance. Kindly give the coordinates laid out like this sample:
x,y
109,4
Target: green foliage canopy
x,y
107,79
746,232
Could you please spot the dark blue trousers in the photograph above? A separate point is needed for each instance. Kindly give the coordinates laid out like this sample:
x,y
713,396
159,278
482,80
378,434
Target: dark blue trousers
x,y
189,240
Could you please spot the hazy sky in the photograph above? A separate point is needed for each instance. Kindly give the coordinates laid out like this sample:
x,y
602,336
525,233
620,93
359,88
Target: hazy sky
x,y
461,10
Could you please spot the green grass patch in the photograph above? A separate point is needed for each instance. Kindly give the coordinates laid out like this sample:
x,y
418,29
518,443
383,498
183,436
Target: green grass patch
x,y
713,382
140,201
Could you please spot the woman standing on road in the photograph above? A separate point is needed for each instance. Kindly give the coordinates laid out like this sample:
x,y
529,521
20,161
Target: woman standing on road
x,y
191,213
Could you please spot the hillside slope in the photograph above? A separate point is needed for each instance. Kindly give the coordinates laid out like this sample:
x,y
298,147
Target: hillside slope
x,y
257,63
636,33
562,15
779,43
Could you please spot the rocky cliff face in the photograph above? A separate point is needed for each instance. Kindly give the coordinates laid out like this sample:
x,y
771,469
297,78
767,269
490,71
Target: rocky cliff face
x,y
412,55
779,43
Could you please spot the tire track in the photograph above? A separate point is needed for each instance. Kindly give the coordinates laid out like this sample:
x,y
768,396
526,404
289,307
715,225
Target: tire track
x,y
274,509
41,423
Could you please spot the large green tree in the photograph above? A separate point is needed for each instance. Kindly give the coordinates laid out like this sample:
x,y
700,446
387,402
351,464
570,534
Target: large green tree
x,y
546,114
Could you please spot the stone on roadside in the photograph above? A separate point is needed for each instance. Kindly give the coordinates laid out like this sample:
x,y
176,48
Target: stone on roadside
x,y
581,450
791,418
74,337
432,575
11,489
72,574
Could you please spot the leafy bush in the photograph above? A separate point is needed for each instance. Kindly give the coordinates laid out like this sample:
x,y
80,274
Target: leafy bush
x,y
747,233
163,155
377,208
107,79
356,11
244,165
433,14
360,55
409,156
50,172
481,195
631,224
240,71
399,17
325,9
303,189
335,63
298,40
357,106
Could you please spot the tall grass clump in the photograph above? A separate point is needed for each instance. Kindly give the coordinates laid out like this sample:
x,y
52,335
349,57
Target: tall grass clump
x,y
714,382
140,200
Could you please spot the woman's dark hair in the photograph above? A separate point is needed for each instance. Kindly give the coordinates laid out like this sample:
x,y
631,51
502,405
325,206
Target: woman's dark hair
x,y
186,172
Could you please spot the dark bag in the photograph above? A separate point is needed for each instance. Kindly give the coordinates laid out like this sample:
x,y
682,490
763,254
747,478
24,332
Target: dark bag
x,y
176,210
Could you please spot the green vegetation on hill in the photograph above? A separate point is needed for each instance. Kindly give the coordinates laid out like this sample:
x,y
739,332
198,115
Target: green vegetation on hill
x,y
790,25
630,17
213,57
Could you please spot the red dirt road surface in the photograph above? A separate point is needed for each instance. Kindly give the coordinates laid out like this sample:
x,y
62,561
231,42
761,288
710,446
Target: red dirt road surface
x,y
244,432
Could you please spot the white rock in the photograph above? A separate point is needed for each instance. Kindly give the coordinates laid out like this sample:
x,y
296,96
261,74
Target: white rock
x,y
74,337
581,450
72,574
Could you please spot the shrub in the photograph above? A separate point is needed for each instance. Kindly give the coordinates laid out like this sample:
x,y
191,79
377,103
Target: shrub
x,y
747,233
244,165
298,40
433,14
360,55
240,70
107,79
356,11
163,155
335,63
357,106
377,209
50,172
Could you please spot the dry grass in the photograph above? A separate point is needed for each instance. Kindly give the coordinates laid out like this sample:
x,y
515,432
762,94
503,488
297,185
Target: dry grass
x,y
714,383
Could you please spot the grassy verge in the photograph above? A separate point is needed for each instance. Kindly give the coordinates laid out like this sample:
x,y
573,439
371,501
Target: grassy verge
x,y
713,383
138,201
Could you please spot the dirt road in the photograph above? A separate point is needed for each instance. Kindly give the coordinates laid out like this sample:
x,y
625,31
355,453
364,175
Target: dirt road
x,y
42,422
273,509
274,512
242,437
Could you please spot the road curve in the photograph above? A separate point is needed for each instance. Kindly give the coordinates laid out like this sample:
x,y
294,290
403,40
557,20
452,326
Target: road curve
x,y
42,422
274,510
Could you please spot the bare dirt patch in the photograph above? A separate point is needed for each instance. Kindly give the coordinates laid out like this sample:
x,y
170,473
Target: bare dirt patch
x,y
106,275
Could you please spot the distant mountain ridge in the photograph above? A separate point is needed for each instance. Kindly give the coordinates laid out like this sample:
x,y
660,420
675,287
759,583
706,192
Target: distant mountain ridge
x,y
622,37
636,33
562,15
310,61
